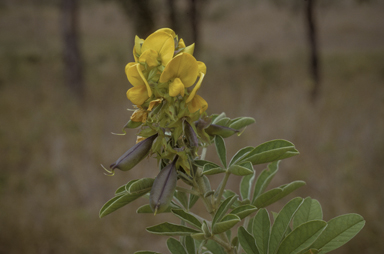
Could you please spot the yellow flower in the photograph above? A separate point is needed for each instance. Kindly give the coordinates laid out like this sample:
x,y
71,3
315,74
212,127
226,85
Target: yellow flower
x,y
194,101
137,47
141,90
154,103
150,57
182,71
161,42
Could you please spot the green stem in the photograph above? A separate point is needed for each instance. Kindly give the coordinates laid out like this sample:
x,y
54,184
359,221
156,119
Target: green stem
x,y
203,153
187,190
227,246
222,188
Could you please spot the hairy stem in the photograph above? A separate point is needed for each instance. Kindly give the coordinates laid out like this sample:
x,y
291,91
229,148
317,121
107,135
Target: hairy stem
x,y
222,188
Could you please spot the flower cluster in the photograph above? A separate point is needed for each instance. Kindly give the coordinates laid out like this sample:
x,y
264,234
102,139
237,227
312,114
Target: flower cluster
x,y
164,70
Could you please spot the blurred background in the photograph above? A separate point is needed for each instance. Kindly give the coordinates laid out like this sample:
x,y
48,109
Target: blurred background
x,y
308,71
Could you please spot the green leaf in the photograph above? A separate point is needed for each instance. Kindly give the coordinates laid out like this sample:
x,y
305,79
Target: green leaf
x,y
202,163
171,229
243,211
309,210
192,200
128,185
146,252
147,209
118,202
141,185
190,245
246,185
182,198
310,251
261,228
198,236
243,169
247,241
339,231
282,222
229,221
187,217
223,121
271,151
221,150
276,194
121,190
302,237
210,169
237,158
215,118
242,122
265,178
214,247
132,125
175,247
223,208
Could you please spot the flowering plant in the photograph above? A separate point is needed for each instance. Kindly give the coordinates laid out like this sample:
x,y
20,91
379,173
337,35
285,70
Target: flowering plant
x,y
173,126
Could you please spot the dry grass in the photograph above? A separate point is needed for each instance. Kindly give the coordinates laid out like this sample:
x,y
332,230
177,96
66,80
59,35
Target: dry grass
x,y
51,184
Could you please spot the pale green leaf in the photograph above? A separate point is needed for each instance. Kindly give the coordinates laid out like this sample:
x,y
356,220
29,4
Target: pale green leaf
x,y
339,231
265,178
201,163
276,194
223,208
182,198
223,121
242,122
271,151
192,200
221,150
228,221
210,169
141,185
118,202
187,217
171,229
302,237
261,230
147,209
246,185
175,247
214,247
243,211
309,210
215,118
247,241
146,252
190,245
282,222
243,169
237,158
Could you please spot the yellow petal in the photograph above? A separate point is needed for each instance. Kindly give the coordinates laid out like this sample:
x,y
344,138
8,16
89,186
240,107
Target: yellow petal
x,y
197,87
153,103
136,77
137,94
190,49
138,43
197,103
167,30
162,43
139,139
150,57
202,67
176,88
183,66
181,43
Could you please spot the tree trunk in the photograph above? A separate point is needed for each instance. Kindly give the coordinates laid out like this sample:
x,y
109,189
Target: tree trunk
x,y
73,65
314,64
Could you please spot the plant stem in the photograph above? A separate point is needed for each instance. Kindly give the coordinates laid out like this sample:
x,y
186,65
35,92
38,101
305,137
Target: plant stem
x,y
222,188
226,245
203,153
187,190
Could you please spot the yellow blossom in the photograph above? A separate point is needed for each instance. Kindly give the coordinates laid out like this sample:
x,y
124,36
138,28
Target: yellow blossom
x,y
154,103
182,71
141,90
162,42
197,103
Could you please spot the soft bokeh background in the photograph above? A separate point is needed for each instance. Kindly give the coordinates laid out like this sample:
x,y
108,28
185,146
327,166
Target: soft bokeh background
x,y
51,183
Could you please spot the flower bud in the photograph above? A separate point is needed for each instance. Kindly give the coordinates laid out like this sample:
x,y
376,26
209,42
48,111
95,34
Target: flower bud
x,y
134,155
163,188
223,131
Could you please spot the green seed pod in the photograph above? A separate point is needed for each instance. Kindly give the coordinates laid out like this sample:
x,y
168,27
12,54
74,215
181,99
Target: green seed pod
x,y
225,132
163,188
134,155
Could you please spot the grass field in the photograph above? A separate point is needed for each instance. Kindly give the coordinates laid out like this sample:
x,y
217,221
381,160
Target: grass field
x,y
51,183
